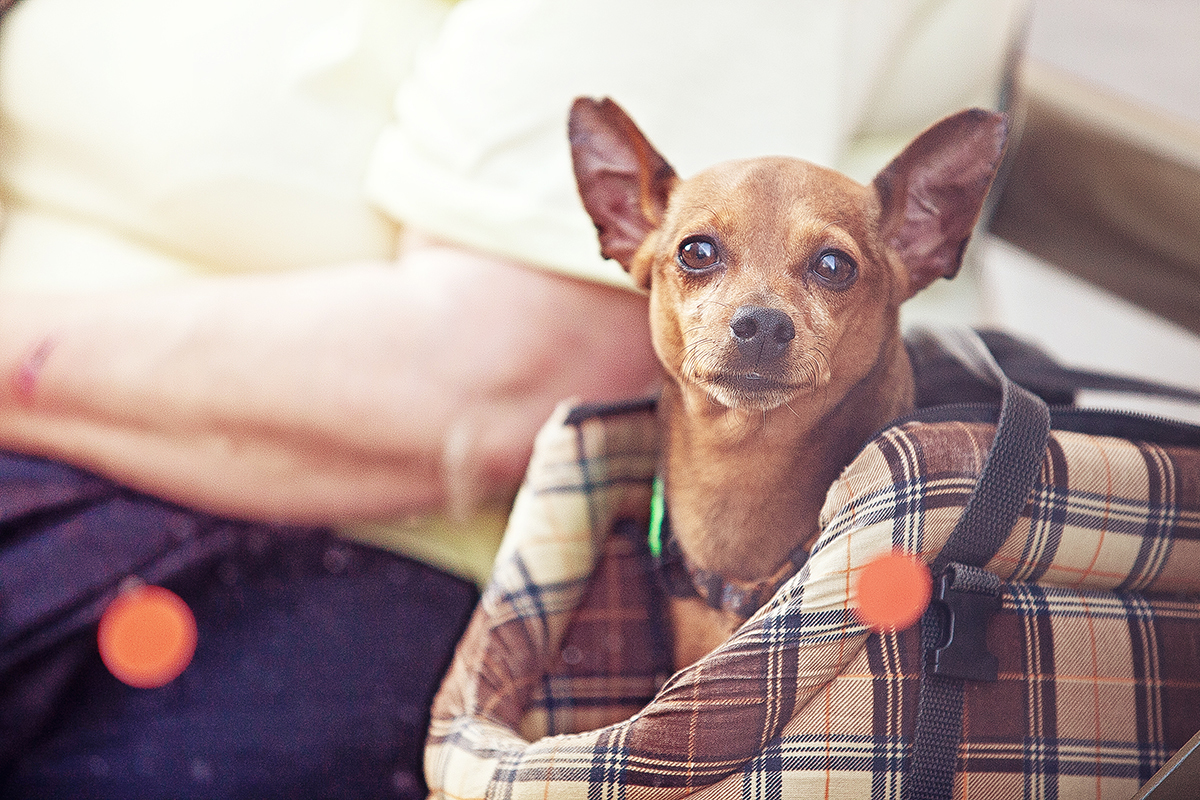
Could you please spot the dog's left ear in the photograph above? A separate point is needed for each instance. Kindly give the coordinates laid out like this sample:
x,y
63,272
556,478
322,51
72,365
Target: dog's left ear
x,y
622,179
933,192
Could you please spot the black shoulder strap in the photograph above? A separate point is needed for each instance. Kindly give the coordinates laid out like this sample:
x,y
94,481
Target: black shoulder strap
x,y
967,595
1033,368
942,377
1009,471
953,367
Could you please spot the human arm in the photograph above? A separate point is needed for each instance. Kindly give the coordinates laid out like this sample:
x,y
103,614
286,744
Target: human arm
x,y
369,390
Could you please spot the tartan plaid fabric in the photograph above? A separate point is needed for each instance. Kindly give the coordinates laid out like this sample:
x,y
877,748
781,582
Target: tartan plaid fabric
x,y
562,686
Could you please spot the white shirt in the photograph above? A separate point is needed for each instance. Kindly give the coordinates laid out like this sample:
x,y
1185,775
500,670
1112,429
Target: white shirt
x,y
146,140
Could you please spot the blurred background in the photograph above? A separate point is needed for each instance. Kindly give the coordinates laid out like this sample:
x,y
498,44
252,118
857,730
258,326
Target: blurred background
x,y
1102,201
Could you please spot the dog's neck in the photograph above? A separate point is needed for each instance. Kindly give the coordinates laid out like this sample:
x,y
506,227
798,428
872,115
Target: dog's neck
x,y
745,487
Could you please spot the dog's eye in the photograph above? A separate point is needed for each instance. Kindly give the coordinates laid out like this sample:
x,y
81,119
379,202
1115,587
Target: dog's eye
x,y
698,253
835,269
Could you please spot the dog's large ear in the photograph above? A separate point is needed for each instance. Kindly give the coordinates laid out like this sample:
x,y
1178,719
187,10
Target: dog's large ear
x,y
933,192
623,181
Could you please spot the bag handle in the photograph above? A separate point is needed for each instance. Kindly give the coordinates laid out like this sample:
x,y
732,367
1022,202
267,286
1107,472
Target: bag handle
x,y
1031,366
1010,467
1001,492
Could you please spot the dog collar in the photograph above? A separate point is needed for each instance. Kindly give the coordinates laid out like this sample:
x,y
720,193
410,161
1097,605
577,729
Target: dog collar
x,y
658,514
681,578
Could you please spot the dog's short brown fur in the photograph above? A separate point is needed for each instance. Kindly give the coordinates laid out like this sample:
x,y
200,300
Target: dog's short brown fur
x,y
775,287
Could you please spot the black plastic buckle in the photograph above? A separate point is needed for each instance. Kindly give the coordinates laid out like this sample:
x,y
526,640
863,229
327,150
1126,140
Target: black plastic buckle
x,y
968,598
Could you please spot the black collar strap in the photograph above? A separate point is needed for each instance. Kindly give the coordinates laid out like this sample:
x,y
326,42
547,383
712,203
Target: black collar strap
x,y
680,578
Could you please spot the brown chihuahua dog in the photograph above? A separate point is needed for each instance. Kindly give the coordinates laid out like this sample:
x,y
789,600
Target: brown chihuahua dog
x,y
775,289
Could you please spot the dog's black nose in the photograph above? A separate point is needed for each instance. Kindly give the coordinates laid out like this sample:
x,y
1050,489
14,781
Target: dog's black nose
x,y
761,333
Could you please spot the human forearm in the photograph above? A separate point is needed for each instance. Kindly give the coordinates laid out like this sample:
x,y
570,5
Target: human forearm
x,y
176,392
355,392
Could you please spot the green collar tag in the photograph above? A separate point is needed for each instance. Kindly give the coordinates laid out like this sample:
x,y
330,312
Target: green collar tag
x,y
657,513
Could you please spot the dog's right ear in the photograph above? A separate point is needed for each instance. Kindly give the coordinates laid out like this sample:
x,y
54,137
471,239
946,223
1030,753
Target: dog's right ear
x,y
622,179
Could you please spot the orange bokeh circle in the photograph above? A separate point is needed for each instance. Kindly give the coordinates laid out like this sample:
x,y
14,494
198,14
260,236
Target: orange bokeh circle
x,y
147,637
893,591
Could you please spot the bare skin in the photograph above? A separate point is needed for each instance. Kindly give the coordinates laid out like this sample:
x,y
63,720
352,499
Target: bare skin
x,y
356,392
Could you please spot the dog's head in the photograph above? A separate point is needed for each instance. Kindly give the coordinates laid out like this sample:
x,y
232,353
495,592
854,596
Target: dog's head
x,y
774,278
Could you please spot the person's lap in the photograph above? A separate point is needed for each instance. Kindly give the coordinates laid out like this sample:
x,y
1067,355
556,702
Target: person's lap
x,y
316,663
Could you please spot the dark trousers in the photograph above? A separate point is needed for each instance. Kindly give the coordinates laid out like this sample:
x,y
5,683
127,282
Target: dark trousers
x,y
316,662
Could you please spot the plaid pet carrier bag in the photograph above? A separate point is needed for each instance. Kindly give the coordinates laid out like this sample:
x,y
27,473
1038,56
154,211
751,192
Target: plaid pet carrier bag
x,y
1059,658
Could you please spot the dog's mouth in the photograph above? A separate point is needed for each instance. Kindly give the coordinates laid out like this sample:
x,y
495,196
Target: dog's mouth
x,y
749,389
751,382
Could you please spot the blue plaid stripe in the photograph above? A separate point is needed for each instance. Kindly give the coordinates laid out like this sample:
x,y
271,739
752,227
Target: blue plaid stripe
x,y
904,457
1064,603
1029,602
764,777
881,505
533,602
892,684
1145,662
1079,757
1047,516
608,765
838,753
1161,514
